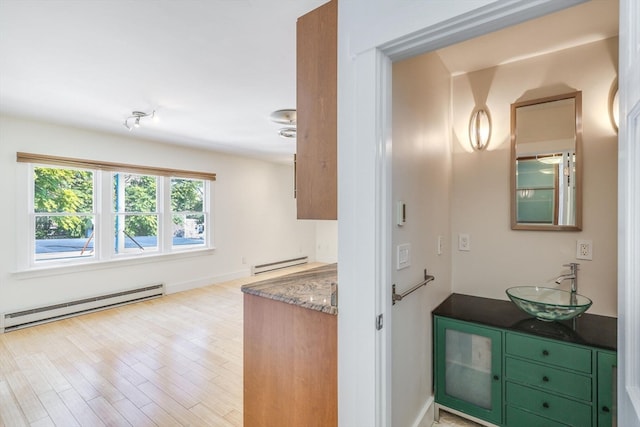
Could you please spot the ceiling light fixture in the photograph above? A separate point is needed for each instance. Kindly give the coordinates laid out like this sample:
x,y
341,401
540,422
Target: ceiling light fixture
x,y
136,116
288,132
526,193
286,117
550,159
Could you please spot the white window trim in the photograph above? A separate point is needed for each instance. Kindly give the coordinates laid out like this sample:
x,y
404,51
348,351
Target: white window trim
x,y
52,270
104,256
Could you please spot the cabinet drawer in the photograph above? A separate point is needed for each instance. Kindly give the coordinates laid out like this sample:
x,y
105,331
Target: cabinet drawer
x,y
550,352
547,378
540,403
516,417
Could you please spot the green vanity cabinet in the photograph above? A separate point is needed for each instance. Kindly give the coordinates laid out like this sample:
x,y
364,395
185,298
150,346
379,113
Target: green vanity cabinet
x,y
498,366
607,363
468,368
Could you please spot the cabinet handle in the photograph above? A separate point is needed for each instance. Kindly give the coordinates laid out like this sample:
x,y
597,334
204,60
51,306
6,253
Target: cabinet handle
x,y
495,377
545,405
545,353
545,379
605,409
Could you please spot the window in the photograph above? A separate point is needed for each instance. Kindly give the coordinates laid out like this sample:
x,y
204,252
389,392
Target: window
x,y
74,203
135,204
63,213
187,212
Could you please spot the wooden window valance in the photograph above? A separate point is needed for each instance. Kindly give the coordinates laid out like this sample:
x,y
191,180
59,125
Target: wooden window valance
x,y
111,166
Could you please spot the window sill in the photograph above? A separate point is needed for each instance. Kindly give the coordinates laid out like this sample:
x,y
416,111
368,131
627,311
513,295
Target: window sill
x,y
47,271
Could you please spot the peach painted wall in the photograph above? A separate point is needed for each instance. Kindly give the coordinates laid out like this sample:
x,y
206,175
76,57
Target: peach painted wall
x,y
501,257
421,176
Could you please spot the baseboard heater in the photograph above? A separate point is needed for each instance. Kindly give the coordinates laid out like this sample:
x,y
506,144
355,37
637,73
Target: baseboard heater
x,y
36,316
276,265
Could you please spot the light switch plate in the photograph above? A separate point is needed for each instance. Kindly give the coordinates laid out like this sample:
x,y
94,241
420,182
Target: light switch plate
x,y
403,256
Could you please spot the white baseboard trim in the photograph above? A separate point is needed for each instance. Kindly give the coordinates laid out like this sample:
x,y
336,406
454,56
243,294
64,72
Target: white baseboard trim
x,y
425,417
206,281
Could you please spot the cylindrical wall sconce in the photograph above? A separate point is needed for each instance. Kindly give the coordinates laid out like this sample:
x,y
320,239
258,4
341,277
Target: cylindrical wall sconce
x,y
479,129
614,109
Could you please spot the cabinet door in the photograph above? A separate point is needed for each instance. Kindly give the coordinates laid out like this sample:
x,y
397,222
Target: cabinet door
x,y
607,385
468,369
317,113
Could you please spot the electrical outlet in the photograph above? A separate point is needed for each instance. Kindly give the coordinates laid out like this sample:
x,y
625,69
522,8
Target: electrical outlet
x,y
584,249
464,242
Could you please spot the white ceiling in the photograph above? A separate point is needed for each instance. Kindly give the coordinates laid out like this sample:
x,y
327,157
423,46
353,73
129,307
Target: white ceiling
x,y
574,26
212,69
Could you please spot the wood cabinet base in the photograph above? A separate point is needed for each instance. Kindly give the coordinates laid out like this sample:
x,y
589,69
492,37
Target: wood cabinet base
x,y
290,365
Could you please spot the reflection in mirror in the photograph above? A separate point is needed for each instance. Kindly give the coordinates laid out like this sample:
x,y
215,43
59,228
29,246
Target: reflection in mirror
x,y
545,163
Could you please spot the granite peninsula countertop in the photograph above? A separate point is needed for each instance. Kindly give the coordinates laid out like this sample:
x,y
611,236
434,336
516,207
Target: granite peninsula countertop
x,y
309,289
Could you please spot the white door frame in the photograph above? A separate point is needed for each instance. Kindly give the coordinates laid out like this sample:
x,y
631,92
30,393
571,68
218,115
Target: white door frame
x,y
628,214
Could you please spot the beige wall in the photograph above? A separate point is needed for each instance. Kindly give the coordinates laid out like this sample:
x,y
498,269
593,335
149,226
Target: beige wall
x,y
253,210
450,189
500,257
421,176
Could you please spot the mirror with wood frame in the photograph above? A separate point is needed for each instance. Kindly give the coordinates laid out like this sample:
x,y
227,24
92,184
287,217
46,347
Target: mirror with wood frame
x,y
546,166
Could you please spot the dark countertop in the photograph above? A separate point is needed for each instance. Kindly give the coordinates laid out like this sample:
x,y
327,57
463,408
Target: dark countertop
x,y
310,289
589,329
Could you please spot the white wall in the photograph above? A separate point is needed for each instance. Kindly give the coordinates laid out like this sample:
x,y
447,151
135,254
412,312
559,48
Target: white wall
x,y
327,241
501,257
253,210
422,180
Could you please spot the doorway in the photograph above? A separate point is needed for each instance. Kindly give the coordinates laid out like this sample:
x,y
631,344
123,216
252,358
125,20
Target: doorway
x,y
451,190
368,272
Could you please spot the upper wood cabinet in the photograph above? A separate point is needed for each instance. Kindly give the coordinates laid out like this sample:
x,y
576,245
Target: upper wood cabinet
x,y
316,156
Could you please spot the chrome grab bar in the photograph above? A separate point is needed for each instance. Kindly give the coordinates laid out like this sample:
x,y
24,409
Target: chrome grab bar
x,y
398,297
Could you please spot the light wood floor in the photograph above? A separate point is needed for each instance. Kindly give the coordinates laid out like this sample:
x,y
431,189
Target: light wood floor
x,y
173,361
450,420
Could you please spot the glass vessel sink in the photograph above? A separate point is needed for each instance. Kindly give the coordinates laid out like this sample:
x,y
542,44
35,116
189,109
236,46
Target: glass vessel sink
x,y
548,304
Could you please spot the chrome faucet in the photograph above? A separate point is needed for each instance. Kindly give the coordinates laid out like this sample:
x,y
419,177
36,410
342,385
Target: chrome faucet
x,y
573,276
